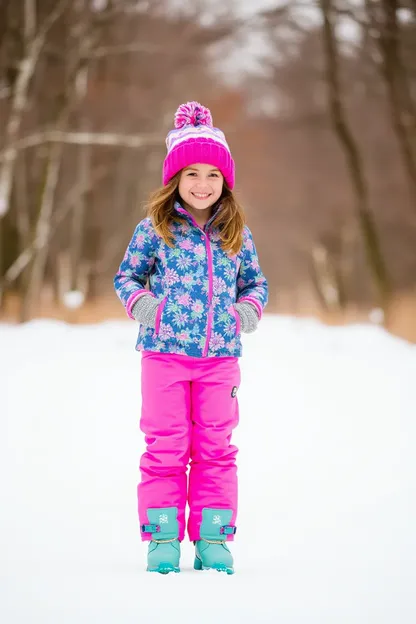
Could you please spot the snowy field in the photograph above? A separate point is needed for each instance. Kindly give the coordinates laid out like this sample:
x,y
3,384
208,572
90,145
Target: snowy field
x,y
326,527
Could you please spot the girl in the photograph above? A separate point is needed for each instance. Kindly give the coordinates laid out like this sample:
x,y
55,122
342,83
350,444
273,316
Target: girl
x,y
191,278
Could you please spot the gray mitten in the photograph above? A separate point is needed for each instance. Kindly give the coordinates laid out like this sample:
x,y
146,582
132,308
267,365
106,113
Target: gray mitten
x,y
145,309
248,316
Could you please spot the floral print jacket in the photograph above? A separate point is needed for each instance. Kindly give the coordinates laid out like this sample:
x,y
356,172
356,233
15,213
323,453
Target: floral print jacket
x,y
197,284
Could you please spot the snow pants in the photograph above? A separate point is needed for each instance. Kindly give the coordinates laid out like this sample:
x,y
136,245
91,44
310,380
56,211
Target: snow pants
x,y
189,409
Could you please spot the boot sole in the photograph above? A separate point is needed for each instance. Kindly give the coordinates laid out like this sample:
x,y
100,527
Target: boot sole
x,y
219,567
164,568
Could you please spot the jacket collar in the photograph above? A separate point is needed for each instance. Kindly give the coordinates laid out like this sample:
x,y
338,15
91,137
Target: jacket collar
x,y
184,213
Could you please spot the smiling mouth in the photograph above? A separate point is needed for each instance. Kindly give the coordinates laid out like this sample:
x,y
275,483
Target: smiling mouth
x,y
201,195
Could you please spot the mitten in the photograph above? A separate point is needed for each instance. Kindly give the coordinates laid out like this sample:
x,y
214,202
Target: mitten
x,y
145,309
248,317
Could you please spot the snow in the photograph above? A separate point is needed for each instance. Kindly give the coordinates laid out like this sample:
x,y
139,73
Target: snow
x,y
73,299
326,527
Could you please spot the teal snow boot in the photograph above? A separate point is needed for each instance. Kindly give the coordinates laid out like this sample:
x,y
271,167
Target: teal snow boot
x,y
211,551
164,549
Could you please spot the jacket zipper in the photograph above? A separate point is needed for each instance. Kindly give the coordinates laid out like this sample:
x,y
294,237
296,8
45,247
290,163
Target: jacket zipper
x,y
210,294
208,249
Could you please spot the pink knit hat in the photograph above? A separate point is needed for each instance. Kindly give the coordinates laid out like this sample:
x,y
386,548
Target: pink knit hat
x,y
195,140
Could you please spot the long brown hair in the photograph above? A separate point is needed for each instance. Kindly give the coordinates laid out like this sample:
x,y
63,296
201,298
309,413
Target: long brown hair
x,y
229,220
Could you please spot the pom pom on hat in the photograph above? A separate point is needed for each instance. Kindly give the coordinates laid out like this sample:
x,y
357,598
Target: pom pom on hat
x,y
192,114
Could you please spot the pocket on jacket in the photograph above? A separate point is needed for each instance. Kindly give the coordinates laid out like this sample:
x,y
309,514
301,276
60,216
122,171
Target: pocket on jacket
x,y
159,313
237,321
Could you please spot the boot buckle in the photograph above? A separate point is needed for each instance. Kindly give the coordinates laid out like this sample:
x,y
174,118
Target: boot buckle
x,y
228,530
150,528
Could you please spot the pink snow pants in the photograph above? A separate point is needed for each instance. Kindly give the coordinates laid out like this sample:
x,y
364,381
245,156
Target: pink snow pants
x,y
189,410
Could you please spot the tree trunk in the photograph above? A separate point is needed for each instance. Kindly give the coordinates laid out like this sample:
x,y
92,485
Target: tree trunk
x,y
398,93
42,232
353,157
22,212
25,257
78,216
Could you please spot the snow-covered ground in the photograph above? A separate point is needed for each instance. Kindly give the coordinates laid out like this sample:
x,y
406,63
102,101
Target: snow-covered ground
x,y
327,481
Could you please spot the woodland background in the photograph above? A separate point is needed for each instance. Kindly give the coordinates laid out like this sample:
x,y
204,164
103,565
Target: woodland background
x,y
318,102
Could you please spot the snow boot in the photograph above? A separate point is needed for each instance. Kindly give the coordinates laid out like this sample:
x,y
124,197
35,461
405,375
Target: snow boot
x,y
211,551
164,549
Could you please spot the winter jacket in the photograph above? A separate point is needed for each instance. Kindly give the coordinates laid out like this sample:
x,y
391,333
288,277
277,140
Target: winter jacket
x,y
197,284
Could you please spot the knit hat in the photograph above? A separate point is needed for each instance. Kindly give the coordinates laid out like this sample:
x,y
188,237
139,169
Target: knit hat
x,y
195,140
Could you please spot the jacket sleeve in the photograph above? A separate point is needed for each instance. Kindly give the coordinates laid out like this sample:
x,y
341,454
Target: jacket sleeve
x,y
251,283
130,280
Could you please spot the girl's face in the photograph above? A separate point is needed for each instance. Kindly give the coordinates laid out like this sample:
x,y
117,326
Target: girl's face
x,y
200,186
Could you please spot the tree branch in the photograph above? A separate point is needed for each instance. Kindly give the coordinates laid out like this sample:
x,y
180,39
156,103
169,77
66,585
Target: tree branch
x,y
109,139
30,20
127,48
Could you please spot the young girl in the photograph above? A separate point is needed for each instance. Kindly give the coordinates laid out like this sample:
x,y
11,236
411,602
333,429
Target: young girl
x,y
191,278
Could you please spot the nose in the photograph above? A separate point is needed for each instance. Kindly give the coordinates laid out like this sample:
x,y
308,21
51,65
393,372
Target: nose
x,y
202,182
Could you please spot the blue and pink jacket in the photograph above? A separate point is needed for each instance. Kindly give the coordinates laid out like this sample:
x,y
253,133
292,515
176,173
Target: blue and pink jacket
x,y
197,284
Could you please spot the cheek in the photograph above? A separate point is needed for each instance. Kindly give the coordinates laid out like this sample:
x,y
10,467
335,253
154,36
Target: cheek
x,y
183,186
218,189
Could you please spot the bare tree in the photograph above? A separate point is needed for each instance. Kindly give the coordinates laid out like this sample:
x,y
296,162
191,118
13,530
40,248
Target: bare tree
x,y
385,29
353,157
67,205
34,40
82,37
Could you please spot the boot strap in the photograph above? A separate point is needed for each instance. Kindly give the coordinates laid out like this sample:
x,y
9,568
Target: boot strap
x,y
212,541
165,541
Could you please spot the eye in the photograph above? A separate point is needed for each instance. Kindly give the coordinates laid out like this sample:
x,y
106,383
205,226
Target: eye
x,y
191,173
214,175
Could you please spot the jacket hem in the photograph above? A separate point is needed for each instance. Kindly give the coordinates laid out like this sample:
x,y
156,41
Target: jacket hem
x,y
189,353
